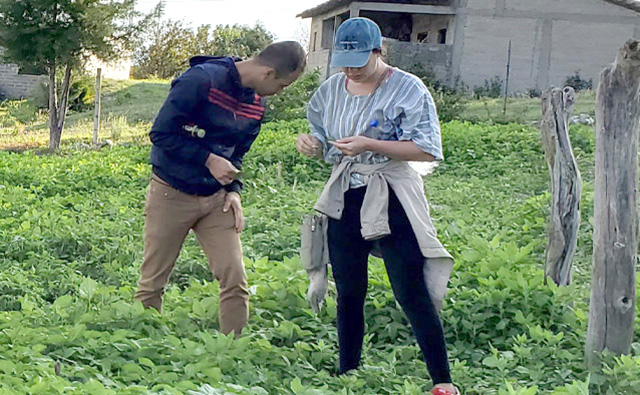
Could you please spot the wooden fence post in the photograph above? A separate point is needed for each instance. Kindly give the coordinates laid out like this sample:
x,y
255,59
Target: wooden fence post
x,y
615,235
566,185
96,107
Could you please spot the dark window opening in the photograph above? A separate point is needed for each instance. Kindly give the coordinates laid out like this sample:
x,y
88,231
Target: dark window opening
x,y
442,36
327,33
423,37
396,25
315,39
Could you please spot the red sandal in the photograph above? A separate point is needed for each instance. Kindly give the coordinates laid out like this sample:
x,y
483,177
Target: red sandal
x,y
442,391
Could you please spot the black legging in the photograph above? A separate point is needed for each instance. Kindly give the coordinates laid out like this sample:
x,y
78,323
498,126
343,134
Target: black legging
x,y
404,262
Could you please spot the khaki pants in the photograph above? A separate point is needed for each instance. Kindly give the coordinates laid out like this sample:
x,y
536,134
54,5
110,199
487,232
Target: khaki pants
x,y
170,214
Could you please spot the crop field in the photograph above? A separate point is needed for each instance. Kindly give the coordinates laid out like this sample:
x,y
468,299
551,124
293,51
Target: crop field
x,y
71,242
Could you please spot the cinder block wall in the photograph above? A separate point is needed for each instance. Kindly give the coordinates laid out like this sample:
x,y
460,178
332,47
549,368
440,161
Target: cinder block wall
x,y
17,86
407,55
551,39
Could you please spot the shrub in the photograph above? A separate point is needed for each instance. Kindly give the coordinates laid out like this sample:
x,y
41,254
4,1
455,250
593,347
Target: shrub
x,y
40,96
491,88
450,100
578,83
82,94
16,112
291,103
534,93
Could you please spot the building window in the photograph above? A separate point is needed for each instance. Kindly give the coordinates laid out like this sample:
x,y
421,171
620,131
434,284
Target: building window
x,y
442,36
423,37
328,26
315,39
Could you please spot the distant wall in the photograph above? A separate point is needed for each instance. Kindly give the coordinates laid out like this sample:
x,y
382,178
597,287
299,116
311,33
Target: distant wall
x,y
17,86
406,55
551,40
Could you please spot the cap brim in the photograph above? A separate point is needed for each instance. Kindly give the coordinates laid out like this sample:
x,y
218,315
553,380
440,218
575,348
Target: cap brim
x,y
349,58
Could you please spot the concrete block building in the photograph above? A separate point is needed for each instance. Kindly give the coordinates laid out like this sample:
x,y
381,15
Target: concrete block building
x,y
468,40
17,85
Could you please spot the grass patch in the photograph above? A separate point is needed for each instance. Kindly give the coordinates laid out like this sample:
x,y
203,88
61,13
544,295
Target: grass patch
x,y
520,109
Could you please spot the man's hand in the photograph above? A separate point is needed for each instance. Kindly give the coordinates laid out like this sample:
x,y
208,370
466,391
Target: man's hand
x,y
233,200
352,146
221,169
309,146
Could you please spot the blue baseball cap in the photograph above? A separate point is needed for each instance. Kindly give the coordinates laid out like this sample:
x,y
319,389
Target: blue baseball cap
x,y
355,39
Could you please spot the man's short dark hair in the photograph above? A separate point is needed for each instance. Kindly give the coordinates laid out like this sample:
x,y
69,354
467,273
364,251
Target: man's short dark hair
x,y
284,57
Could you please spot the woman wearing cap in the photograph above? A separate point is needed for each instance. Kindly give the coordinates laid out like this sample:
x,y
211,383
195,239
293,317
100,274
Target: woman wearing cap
x,y
369,122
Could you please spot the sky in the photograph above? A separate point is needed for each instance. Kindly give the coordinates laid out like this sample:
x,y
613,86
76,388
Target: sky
x,y
277,16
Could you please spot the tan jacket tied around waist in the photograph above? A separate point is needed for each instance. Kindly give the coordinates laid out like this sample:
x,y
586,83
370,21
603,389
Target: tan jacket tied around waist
x,y
408,187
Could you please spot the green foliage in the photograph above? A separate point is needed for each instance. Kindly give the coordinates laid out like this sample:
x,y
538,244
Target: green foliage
x,y
168,47
16,112
450,104
167,55
522,110
450,100
60,35
82,94
71,234
578,83
534,93
48,33
281,187
492,88
39,96
291,103
238,40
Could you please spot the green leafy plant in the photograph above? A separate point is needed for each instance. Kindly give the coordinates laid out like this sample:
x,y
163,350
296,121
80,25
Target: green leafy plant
x,y
291,103
578,83
71,235
492,88
450,101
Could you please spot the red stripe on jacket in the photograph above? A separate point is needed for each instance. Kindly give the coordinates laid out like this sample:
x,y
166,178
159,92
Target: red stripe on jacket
x,y
227,107
236,104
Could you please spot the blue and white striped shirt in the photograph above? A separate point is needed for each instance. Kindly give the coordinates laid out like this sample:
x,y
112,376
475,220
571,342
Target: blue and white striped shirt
x,y
401,109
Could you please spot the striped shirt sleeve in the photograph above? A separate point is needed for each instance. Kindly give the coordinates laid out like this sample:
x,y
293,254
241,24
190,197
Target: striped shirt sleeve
x,y
420,123
315,115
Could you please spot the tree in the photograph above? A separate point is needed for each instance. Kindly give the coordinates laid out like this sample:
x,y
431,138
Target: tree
x,y
60,35
240,41
303,35
167,49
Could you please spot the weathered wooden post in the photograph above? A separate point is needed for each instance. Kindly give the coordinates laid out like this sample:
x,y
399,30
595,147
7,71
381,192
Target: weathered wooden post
x,y
96,107
615,236
566,185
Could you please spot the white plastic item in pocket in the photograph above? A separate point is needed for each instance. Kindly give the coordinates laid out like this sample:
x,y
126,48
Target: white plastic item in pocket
x,y
424,168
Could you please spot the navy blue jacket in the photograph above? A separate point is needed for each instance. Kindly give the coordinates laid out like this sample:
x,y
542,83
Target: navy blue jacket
x,y
207,111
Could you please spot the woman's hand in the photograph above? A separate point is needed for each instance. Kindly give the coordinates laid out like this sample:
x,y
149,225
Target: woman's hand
x,y
232,200
352,146
398,150
309,146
